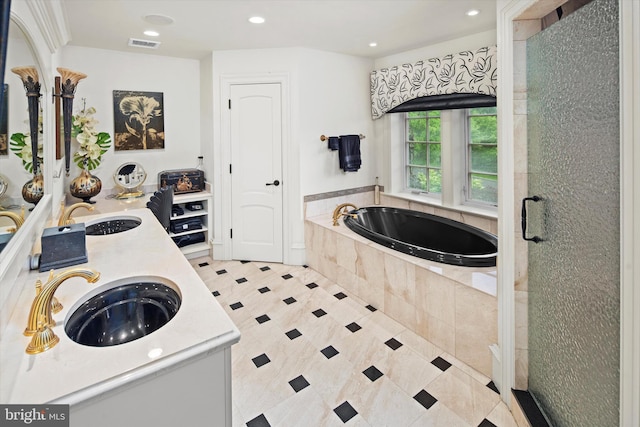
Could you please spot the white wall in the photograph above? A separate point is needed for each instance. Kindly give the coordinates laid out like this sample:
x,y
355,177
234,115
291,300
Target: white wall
x,y
179,81
472,42
328,94
334,100
206,114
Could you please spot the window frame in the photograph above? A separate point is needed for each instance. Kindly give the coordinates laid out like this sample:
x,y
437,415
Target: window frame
x,y
427,143
455,148
468,154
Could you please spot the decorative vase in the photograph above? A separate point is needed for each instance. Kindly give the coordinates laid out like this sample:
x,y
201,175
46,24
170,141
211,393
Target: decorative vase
x,y
33,190
85,186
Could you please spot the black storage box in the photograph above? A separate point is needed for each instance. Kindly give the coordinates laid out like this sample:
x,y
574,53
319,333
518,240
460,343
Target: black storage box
x,y
194,206
182,180
188,239
186,224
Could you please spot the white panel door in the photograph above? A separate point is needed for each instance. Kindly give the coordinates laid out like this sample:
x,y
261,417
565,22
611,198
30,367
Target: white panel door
x,y
256,172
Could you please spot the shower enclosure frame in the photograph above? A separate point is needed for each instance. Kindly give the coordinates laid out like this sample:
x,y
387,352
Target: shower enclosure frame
x,y
508,13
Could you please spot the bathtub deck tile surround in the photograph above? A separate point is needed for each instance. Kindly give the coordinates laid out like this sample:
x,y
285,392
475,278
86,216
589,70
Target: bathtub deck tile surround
x,y
347,364
453,307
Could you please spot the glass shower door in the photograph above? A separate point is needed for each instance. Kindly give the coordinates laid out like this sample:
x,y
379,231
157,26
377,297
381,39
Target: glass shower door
x,y
573,155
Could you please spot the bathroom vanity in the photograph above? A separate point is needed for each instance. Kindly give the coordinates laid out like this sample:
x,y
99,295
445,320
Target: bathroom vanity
x,y
179,372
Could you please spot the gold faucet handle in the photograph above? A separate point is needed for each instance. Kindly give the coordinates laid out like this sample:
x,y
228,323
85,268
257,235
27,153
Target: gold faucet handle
x,y
42,305
65,215
42,340
341,210
18,220
56,307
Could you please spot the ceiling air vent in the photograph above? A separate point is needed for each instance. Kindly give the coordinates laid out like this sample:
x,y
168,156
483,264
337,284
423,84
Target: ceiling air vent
x,y
149,44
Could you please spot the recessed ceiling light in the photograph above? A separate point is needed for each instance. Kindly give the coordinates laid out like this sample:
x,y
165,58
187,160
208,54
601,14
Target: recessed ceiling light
x,y
256,20
373,44
473,12
151,33
159,19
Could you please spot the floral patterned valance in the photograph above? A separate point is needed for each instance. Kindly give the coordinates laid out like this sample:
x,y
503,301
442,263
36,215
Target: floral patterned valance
x,y
464,72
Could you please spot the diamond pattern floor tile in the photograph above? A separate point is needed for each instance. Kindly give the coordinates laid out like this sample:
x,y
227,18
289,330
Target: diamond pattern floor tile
x,y
312,352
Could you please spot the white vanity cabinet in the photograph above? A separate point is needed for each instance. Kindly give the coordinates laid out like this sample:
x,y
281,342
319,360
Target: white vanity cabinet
x,y
194,392
177,373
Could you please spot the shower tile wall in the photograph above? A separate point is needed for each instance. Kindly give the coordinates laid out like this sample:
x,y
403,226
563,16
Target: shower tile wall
x,y
325,203
522,30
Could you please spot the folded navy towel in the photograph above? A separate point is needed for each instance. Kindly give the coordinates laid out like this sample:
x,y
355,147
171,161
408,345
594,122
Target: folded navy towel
x,y
177,210
349,153
333,143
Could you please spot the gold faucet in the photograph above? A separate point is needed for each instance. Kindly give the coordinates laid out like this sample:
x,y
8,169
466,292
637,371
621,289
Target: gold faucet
x,y
341,210
17,219
65,215
40,321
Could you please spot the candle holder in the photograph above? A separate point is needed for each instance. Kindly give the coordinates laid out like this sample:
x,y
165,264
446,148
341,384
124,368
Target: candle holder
x,y
29,77
69,83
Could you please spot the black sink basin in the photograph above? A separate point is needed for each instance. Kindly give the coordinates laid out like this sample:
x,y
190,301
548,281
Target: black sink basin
x,y
122,314
112,225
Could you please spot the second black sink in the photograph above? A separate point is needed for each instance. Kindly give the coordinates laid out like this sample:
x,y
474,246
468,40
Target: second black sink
x,y
112,225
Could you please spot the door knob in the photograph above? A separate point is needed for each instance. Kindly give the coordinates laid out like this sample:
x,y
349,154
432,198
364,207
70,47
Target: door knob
x,y
276,183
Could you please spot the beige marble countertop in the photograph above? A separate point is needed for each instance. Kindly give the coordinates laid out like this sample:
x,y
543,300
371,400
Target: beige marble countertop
x,y
71,373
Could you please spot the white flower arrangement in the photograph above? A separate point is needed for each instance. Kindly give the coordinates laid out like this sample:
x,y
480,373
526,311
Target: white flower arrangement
x,y
20,144
21,147
93,144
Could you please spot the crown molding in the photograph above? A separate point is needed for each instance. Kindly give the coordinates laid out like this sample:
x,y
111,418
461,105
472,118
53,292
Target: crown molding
x,y
51,20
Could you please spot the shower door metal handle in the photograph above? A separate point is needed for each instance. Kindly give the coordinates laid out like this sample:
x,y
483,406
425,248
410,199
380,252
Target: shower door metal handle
x,y
534,239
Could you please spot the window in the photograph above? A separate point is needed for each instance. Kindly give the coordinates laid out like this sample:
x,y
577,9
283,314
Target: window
x,y
482,155
453,155
423,151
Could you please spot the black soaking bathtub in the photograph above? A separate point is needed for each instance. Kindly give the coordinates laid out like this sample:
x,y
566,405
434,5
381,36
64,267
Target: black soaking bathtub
x,y
425,236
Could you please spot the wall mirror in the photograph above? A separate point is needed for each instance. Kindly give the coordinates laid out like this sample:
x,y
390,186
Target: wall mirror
x,y
21,52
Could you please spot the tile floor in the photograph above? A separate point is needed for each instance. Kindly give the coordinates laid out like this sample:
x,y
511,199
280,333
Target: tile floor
x,y
311,354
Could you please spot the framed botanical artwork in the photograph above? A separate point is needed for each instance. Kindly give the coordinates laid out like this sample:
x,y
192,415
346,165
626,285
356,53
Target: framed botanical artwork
x,y
4,120
138,120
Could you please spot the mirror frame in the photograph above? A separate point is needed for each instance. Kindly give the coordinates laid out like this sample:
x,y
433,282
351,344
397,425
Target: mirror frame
x,y
13,258
130,190
136,167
